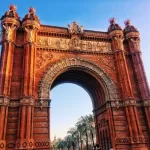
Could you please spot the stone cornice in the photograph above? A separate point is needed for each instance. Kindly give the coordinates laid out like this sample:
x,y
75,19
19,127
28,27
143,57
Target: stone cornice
x,y
62,31
28,101
120,104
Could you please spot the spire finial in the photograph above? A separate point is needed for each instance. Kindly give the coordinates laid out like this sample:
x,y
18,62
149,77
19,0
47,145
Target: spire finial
x,y
112,20
32,10
12,7
127,22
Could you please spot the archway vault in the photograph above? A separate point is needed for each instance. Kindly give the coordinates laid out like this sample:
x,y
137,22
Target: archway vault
x,y
56,69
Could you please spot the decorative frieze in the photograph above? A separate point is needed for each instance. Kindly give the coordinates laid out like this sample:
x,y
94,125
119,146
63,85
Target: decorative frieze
x,y
25,144
27,101
62,30
73,44
146,102
42,103
125,103
53,29
10,20
42,144
129,140
46,103
4,101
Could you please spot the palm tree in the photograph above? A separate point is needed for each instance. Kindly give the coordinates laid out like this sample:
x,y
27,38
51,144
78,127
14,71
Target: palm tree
x,y
87,123
74,137
83,131
90,121
61,144
70,141
80,131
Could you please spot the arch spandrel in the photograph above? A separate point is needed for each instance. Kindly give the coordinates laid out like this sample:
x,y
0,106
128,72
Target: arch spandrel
x,y
68,63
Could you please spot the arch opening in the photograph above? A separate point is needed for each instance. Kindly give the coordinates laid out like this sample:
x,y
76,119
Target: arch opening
x,y
86,81
70,101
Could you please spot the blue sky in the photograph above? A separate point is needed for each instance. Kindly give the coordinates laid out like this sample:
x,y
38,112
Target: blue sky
x,y
94,15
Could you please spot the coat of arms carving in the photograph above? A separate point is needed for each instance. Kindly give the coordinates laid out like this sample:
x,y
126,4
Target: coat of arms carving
x,y
75,28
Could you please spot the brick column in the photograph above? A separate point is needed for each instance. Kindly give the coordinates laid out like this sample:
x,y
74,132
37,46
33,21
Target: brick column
x,y
9,27
25,129
135,133
134,47
25,135
116,36
4,103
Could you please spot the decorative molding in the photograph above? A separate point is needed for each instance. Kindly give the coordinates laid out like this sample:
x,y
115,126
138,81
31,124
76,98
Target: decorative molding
x,y
63,30
4,101
25,144
125,103
31,23
14,103
146,103
116,33
132,35
42,144
122,140
2,144
29,101
73,44
42,103
88,33
139,139
10,20
53,29
55,69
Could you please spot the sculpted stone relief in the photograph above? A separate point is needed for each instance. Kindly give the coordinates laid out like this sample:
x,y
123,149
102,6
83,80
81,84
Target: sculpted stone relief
x,y
74,28
73,44
42,58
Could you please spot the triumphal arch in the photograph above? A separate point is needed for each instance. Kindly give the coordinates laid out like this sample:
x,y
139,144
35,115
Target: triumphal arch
x,y
108,65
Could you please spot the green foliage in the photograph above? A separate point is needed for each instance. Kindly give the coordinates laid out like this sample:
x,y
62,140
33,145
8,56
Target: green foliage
x,y
83,133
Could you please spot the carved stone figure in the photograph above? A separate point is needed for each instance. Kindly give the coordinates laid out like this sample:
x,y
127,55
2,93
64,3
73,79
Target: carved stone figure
x,y
135,44
9,32
119,43
74,28
30,34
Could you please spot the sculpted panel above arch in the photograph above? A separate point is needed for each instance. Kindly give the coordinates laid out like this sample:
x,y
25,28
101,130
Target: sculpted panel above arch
x,y
57,68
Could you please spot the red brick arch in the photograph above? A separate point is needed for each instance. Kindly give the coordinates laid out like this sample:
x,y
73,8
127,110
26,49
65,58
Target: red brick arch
x,y
63,64
122,120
